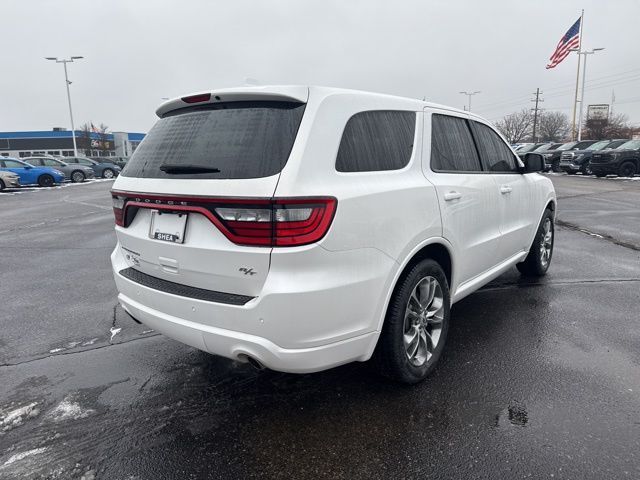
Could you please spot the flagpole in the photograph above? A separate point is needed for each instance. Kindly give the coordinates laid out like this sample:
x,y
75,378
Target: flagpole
x,y
575,99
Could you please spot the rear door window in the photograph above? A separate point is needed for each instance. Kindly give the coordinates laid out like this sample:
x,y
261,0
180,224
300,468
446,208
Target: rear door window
x,y
496,156
233,140
452,147
376,140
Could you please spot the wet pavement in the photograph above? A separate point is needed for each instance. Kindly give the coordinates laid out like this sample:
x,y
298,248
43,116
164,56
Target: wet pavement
x,y
539,379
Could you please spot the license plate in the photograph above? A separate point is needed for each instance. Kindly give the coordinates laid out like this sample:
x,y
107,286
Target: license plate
x,y
168,227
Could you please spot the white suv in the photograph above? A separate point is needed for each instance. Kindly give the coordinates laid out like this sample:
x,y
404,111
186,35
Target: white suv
x,y
299,228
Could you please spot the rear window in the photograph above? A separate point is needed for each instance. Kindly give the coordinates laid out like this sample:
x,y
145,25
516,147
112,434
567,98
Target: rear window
x,y
225,141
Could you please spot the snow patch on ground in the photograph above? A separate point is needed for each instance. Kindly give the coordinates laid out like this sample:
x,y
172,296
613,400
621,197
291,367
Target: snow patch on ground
x,y
114,331
68,409
14,418
90,342
19,456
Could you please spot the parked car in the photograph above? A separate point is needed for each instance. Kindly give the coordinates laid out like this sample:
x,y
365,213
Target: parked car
x,y
254,240
529,148
72,172
117,160
103,170
623,161
30,175
552,156
575,161
8,180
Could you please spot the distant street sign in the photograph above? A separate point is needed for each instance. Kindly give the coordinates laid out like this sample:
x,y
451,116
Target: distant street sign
x,y
598,112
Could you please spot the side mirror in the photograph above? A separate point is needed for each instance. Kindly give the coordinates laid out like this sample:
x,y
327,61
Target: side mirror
x,y
28,167
533,162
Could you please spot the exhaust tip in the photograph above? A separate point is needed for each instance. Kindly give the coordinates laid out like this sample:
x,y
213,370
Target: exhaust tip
x,y
251,361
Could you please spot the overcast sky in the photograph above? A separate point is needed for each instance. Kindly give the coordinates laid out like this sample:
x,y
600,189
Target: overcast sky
x,y
137,52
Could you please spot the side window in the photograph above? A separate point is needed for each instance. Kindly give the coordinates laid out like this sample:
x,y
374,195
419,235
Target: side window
x,y
376,140
36,162
495,155
452,148
13,164
50,163
84,162
71,160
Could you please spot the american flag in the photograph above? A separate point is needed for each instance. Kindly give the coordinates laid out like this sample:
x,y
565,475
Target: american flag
x,y
570,40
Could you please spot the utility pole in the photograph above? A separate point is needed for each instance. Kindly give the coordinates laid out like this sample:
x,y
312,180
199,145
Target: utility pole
x,y
535,113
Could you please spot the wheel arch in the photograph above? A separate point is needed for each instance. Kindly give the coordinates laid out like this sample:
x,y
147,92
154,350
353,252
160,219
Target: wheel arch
x,y
437,249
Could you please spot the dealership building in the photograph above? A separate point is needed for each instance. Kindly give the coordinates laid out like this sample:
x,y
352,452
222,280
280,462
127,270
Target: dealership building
x,y
59,141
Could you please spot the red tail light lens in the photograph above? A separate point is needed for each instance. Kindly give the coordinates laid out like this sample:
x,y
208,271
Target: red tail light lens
x,y
201,97
279,222
118,209
284,223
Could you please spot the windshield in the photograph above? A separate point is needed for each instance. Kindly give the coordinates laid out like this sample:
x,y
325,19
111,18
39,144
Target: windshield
x,y
527,148
598,145
544,148
224,141
567,146
631,145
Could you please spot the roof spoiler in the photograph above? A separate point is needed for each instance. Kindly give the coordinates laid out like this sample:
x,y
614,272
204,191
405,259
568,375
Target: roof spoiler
x,y
240,94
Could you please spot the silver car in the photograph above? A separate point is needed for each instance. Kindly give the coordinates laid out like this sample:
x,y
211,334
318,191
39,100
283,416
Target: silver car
x,y
72,172
8,180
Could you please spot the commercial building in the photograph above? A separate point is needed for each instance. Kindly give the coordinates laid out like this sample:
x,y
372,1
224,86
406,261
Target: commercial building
x,y
60,142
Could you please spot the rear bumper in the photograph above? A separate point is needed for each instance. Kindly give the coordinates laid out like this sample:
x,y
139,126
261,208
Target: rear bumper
x,y
300,322
239,346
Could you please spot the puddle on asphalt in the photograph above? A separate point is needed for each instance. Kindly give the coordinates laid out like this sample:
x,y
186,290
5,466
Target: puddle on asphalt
x,y
514,415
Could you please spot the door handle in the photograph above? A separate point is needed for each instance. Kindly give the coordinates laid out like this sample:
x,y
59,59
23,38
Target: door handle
x,y
504,189
452,196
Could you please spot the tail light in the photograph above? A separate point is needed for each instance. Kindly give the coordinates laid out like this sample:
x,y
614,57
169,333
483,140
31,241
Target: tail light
x,y
278,222
118,208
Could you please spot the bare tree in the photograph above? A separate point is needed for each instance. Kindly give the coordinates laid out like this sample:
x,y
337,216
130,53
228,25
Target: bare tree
x,y
84,138
516,126
553,127
103,139
616,126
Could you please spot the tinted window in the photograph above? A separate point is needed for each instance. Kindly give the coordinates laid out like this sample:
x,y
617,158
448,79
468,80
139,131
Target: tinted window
x,y
13,164
34,161
452,147
232,140
376,140
84,161
496,156
49,162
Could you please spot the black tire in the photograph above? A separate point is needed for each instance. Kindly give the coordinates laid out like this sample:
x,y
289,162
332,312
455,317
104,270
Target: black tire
x,y
77,176
391,355
571,172
46,180
537,264
108,173
585,169
600,175
2,186
627,169
555,165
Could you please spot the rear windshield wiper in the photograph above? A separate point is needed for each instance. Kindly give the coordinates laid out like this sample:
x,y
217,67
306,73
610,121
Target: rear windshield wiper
x,y
187,168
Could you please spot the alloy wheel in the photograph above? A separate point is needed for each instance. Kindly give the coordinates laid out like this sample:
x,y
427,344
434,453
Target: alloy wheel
x,y
423,319
547,243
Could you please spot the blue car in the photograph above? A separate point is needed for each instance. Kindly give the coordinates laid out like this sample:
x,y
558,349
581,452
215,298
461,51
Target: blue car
x,y
30,175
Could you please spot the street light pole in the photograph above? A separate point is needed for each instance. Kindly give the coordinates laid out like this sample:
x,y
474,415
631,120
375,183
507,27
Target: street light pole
x,y
67,83
584,75
469,95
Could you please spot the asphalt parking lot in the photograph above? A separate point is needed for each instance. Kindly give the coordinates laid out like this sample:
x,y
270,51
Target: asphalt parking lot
x,y
539,379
